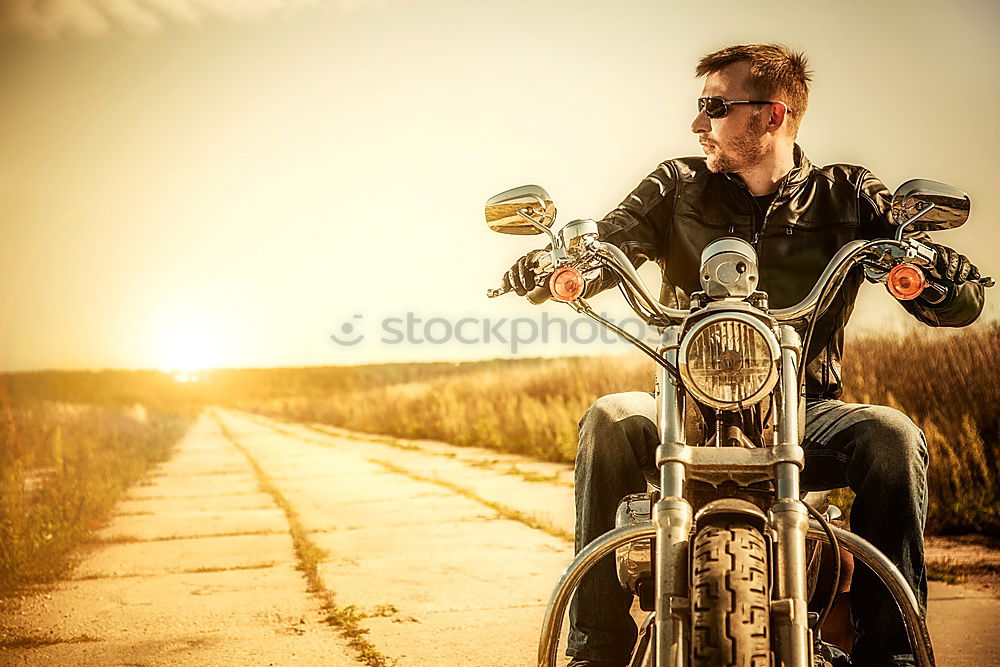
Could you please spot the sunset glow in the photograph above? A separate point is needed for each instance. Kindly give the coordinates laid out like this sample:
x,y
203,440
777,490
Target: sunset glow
x,y
231,186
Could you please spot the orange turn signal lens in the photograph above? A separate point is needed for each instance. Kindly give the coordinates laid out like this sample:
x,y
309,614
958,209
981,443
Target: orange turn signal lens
x,y
566,284
905,282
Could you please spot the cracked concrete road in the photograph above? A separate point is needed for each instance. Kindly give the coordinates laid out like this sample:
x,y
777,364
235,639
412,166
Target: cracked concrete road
x,y
445,556
196,568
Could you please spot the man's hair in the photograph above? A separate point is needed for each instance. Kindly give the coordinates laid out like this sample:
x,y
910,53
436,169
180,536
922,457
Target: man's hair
x,y
775,72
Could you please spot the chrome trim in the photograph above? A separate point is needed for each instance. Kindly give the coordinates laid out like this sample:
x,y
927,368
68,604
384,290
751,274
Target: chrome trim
x,y
721,276
916,628
525,213
669,414
916,199
613,253
548,644
672,518
634,561
789,432
738,464
754,322
504,209
789,520
574,234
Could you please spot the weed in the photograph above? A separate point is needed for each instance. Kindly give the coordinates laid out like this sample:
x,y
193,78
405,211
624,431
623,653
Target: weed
x,y
62,468
309,556
34,641
530,520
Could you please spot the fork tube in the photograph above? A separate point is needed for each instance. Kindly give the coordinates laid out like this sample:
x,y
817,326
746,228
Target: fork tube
x,y
787,474
670,416
790,521
672,518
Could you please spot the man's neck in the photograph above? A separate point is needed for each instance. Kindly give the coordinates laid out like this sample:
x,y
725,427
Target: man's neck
x,y
764,178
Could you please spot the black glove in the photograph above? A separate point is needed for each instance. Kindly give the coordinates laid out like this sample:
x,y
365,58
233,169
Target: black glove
x,y
953,267
520,277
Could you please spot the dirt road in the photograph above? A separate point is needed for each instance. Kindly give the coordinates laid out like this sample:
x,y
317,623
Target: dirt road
x,y
264,543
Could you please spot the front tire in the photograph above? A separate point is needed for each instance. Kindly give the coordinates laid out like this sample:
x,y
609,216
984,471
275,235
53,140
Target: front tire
x,y
730,597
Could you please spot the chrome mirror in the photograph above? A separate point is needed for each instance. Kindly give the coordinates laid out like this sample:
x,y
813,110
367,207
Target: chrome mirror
x,y
527,209
924,206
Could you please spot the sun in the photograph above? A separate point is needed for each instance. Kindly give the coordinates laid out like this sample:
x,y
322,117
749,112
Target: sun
x,y
185,347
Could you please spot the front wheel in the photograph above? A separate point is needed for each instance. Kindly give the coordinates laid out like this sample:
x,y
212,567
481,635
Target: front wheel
x,y
729,597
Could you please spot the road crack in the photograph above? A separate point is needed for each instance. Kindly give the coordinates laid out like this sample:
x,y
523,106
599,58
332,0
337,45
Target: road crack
x,y
309,555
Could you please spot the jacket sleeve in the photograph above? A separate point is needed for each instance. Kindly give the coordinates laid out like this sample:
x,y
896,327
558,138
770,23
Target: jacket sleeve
x,y
640,224
962,305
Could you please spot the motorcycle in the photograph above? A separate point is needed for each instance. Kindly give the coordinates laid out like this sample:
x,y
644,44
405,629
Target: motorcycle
x,y
727,485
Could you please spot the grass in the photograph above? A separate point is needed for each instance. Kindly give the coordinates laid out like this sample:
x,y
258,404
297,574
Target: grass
x,y
530,520
942,569
131,539
64,464
72,442
531,476
948,382
35,641
309,556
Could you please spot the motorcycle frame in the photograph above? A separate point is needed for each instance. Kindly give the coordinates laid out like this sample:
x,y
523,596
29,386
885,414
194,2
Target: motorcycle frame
x,y
787,525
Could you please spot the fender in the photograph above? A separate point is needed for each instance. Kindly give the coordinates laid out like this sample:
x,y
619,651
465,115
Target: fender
x,y
916,629
548,645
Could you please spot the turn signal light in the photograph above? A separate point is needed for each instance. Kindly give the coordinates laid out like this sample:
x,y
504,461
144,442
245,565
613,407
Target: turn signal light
x,y
905,282
566,284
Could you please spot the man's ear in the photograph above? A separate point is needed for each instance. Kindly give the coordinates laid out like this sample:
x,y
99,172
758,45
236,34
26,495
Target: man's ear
x,y
779,112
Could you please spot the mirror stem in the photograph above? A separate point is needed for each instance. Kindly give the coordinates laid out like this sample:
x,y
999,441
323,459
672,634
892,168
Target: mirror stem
x,y
902,228
540,227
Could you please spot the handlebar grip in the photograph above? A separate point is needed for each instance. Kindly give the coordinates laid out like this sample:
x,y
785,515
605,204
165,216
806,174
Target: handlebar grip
x,y
540,294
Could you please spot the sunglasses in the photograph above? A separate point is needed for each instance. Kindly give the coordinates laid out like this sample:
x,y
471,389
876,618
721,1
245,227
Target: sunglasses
x,y
718,107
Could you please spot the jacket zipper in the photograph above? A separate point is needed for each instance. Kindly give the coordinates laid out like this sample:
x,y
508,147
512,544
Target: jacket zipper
x,y
763,225
758,233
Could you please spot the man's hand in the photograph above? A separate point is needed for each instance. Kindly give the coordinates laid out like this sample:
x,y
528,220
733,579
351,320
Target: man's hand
x,y
953,267
520,277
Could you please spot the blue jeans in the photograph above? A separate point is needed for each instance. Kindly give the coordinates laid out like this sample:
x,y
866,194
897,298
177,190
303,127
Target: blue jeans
x,y
877,451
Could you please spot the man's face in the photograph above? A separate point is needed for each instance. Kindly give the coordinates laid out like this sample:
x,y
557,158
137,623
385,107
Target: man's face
x,y
737,142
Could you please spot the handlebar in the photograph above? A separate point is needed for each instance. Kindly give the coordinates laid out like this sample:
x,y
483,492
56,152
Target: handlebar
x,y
829,281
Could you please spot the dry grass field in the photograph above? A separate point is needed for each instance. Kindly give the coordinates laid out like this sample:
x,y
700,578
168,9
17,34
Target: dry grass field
x,y
71,442
947,381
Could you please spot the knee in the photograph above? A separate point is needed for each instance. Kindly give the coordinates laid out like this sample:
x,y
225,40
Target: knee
x,y
894,439
616,420
605,411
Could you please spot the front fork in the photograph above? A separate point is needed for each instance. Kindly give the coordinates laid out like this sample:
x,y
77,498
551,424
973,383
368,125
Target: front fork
x,y
788,521
672,518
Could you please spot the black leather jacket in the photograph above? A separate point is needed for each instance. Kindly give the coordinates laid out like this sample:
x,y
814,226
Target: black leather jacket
x,y
682,206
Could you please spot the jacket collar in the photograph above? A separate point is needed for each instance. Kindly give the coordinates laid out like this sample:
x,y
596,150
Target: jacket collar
x,y
798,174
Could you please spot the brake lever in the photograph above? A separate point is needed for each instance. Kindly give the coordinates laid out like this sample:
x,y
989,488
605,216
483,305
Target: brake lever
x,y
542,270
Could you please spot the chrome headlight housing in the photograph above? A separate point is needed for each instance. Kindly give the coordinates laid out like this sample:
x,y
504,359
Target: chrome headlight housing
x,y
729,360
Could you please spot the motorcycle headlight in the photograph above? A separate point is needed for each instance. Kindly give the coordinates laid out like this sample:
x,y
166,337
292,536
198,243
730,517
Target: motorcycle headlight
x,y
729,361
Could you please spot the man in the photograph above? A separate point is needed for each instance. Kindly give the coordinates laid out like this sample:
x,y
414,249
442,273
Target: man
x,y
755,183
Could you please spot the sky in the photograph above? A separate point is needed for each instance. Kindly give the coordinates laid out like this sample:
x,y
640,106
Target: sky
x,y
213,183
